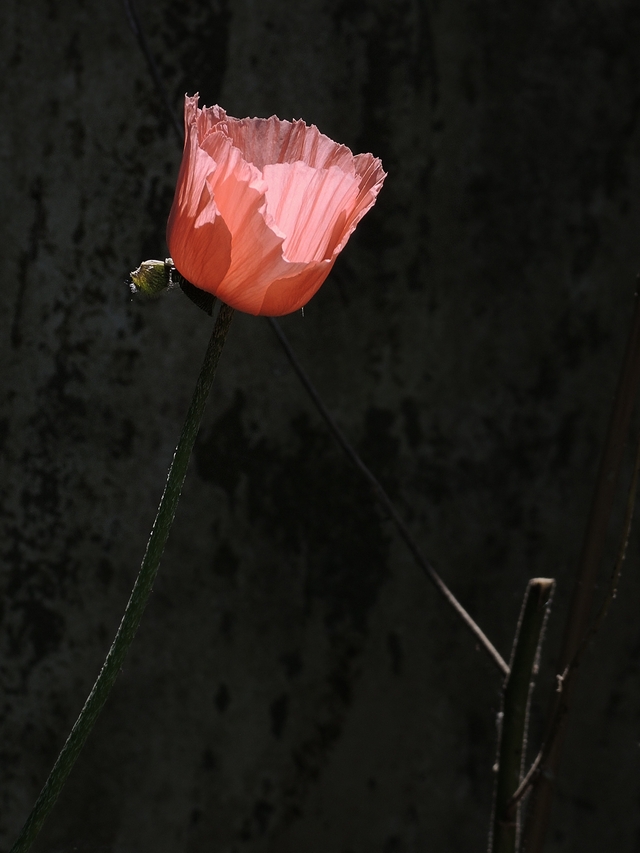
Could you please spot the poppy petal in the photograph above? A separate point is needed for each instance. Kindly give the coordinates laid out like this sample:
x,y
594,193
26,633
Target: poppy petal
x,y
199,240
265,141
263,207
306,204
286,295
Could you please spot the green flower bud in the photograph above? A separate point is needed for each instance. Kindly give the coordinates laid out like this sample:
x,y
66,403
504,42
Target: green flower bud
x,y
151,278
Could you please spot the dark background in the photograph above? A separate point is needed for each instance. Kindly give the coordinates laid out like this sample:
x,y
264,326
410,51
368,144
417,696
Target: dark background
x,y
296,685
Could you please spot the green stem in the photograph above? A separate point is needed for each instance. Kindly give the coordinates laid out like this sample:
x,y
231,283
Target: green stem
x,y
515,705
139,595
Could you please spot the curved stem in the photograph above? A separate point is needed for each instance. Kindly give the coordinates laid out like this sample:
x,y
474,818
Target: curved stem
x,y
139,595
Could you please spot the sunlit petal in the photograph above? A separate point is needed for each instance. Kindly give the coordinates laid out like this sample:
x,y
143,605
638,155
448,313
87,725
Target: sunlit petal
x,y
263,207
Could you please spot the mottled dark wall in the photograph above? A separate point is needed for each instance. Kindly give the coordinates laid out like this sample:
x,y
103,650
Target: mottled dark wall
x,y
296,684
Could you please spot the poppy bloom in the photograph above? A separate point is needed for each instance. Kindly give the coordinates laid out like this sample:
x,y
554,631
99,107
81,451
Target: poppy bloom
x,y
263,207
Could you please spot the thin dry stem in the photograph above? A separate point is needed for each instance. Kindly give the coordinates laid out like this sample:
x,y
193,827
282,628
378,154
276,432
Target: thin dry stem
x,y
569,671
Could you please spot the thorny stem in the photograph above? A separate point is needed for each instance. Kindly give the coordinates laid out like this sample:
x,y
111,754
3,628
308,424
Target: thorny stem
x,y
140,594
586,576
386,502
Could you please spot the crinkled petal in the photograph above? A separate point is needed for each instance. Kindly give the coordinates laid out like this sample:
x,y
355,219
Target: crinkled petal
x,y
263,207
199,240
202,255
208,120
371,176
286,295
306,205
256,247
264,141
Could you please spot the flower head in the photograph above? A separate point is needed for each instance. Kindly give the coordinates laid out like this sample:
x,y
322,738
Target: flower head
x,y
263,207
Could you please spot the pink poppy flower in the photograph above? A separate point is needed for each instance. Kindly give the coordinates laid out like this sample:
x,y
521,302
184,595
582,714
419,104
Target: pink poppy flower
x,y
263,207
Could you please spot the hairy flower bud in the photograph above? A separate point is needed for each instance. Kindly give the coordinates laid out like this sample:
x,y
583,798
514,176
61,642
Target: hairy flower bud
x,y
152,277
